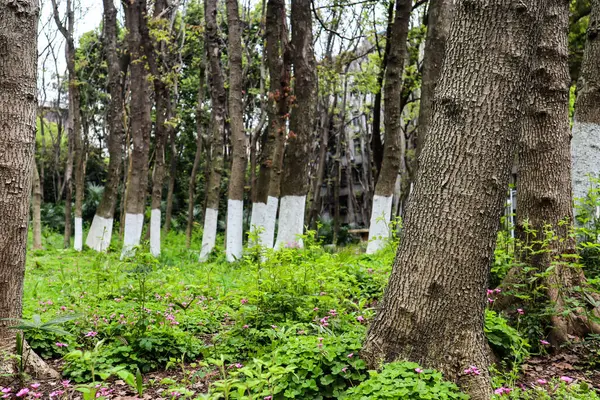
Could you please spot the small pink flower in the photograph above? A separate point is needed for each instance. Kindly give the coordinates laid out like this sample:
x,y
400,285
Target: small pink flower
x,y
63,308
360,318
59,344
66,383
246,326
345,369
36,395
91,334
497,290
544,342
35,385
23,392
350,355
274,326
490,300
5,390
369,270
418,370
542,381
333,313
243,301
520,311
566,379
502,391
490,292
316,309
268,398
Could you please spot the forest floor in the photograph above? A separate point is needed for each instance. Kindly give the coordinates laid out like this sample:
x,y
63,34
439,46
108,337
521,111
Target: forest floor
x,y
287,325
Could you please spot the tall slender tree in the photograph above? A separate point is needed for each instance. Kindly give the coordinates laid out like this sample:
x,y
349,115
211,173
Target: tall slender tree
x,y
100,233
432,310
74,128
136,15
394,144
235,203
294,185
218,98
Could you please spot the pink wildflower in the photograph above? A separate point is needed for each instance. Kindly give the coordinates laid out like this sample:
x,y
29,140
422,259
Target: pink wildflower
x,y
544,342
23,392
35,385
246,326
59,344
243,301
350,355
91,334
566,379
418,370
345,369
520,311
542,381
502,391
360,318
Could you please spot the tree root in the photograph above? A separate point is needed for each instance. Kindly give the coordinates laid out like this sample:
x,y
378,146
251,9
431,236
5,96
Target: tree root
x,y
34,365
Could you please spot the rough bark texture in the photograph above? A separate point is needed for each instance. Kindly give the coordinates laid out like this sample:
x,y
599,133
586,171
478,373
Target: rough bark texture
x,y
544,176
137,182
36,205
74,110
114,122
585,146
297,152
18,66
432,310
438,27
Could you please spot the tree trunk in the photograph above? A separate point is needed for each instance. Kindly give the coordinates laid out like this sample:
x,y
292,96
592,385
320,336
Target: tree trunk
x,y
136,15
394,145
235,202
171,188
75,119
544,177
100,233
18,66
294,186
438,27
264,208
217,126
36,206
200,129
585,146
433,308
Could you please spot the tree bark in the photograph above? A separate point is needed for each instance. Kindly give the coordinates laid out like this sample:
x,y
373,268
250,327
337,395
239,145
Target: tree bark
x,y
136,15
36,206
18,66
100,233
438,26
585,146
294,186
432,310
217,126
75,118
544,176
264,208
235,202
394,145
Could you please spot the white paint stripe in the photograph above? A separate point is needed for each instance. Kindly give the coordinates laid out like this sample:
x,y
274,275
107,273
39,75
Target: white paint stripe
x,y
209,235
132,233
379,231
235,229
78,241
268,235
155,232
585,151
291,222
100,233
257,219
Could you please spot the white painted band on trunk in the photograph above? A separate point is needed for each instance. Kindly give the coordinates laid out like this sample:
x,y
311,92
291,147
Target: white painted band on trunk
x,y
155,232
379,231
100,233
209,234
257,220
78,241
268,234
132,233
291,222
585,151
235,229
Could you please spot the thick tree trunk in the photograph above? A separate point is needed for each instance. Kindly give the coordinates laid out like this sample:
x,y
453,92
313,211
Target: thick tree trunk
x,y
200,129
100,233
264,208
432,310
394,136
438,26
544,179
585,146
294,186
217,126
18,66
137,181
235,202
36,205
